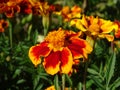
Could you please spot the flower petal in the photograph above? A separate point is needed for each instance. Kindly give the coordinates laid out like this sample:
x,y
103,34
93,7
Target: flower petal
x,y
66,60
37,51
51,88
52,62
76,47
109,37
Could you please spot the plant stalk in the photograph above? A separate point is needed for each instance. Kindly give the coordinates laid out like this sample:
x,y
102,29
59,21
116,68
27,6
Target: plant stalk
x,y
84,77
10,34
63,81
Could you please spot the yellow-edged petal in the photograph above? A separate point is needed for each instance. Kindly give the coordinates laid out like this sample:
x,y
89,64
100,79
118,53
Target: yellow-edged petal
x,y
66,60
35,52
52,62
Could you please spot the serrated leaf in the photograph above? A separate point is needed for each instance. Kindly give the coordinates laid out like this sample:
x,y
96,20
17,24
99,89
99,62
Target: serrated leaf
x,y
92,71
115,84
89,83
97,82
95,67
110,68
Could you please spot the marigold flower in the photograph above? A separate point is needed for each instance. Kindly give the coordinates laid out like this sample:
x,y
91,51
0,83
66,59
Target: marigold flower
x,y
69,13
25,6
40,7
10,7
95,26
59,49
3,25
51,88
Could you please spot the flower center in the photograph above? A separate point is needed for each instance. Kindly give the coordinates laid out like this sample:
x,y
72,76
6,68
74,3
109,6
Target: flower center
x,y
56,39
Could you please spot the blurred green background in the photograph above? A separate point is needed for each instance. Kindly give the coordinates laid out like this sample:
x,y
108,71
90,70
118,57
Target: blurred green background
x,y
16,70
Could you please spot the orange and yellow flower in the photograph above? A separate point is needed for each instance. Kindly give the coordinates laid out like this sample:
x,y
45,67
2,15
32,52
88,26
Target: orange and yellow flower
x,y
40,7
59,49
51,88
95,26
69,13
3,25
25,6
10,7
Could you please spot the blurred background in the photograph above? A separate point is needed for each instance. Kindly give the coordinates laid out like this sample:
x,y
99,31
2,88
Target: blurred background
x,y
16,70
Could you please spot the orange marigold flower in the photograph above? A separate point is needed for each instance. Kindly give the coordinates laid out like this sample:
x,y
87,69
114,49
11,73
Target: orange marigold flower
x,y
74,12
3,25
59,49
69,13
25,6
95,26
51,88
10,7
11,10
40,7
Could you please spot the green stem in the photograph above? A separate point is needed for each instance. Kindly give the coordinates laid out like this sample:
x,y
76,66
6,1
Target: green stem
x,y
85,74
3,34
10,34
45,31
63,81
56,82
112,46
45,22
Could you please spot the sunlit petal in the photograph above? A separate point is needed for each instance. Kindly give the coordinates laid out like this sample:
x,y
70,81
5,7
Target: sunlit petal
x,y
52,62
76,47
37,51
51,88
66,61
109,37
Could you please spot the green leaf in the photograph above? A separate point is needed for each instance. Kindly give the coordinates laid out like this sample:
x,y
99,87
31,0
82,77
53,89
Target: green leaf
x,y
56,82
16,73
29,32
36,81
101,68
115,84
79,87
68,79
110,68
97,82
47,79
89,84
26,19
95,67
21,81
92,71
35,36
29,17
39,87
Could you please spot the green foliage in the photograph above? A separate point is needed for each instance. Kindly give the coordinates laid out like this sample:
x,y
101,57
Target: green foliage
x,y
17,71
102,75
